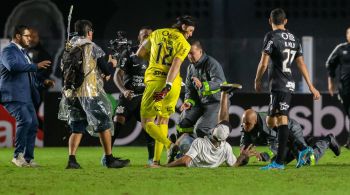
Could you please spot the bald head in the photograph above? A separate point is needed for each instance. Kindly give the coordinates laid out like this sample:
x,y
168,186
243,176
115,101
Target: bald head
x,y
249,119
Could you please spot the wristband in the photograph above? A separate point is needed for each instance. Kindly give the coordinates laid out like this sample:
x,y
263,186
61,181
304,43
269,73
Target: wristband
x,y
168,85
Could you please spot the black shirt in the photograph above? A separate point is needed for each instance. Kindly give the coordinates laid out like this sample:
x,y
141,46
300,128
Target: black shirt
x,y
134,69
282,47
340,57
262,135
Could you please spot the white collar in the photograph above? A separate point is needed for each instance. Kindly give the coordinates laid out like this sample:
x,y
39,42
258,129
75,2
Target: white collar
x,y
18,45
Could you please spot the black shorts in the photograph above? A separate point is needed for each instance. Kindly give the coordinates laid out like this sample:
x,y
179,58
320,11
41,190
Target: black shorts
x,y
279,103
129,108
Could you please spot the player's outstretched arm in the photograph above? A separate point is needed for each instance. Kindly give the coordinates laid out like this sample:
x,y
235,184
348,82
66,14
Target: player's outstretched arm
x,y
226,89
244,155
118,81
264,61
303,70
183,161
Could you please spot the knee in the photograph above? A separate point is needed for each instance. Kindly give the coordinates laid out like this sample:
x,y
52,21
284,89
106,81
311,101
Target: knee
x,y
25,122
282,120
148,125
145,121
270,123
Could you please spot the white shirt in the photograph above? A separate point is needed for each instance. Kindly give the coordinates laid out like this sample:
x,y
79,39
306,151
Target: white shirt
x,y
21,49
204,154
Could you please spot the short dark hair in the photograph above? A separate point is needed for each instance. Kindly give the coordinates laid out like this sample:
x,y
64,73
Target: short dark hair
x,y
197,43
82,27
19,29
188,20
146,27
278,16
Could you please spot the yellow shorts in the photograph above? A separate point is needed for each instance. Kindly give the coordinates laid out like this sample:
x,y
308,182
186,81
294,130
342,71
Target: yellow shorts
x,y
163,108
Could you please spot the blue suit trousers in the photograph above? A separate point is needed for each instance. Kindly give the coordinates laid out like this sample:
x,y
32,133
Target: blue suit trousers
x,y
26,127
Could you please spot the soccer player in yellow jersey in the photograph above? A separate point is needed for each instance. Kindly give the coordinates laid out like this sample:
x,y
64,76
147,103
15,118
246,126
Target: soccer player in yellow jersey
x,y
165,49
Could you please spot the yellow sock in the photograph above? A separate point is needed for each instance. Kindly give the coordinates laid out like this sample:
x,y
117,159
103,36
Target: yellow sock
x,y
158,148
156,133
164,129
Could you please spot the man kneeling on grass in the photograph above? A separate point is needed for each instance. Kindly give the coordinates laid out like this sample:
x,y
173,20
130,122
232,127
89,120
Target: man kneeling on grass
x,y
210,151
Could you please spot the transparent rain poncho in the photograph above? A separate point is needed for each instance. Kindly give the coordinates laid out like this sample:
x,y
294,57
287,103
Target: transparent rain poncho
x,y
89,101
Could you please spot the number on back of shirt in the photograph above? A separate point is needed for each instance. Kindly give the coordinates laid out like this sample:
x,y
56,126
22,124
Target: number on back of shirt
x,y
166,60
288,56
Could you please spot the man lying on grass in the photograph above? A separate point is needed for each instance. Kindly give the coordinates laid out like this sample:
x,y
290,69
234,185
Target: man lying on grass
x,y
213,150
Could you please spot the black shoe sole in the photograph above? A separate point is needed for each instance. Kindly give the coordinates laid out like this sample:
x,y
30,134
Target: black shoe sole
x,y
73,165
121,164
230,87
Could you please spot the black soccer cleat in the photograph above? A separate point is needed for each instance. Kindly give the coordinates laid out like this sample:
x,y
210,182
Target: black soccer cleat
x,y
172,152
333,144
73,165
230,87
173,137
127,161
118,163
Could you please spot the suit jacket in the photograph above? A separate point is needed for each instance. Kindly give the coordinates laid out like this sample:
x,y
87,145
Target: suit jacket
x,y
17,77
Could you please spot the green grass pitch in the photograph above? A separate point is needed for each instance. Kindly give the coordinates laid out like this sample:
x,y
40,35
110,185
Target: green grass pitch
x,y
330,176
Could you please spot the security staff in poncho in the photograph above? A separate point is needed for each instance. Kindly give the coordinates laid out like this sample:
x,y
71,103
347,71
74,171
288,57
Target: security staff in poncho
x,y
202,98
87,108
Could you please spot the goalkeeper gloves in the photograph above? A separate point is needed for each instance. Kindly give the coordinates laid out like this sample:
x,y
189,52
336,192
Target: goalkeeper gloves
x,y
157,96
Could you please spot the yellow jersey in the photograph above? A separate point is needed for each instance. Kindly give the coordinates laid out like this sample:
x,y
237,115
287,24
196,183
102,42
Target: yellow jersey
x,y
164,45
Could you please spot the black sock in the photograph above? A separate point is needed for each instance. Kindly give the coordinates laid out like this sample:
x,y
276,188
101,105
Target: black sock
x,y
283,134
72,158
117,127
150,145
109,158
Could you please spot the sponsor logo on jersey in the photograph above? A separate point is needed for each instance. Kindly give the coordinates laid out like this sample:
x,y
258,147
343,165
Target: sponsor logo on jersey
x,y
120,109
159,73
290,85
287,36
